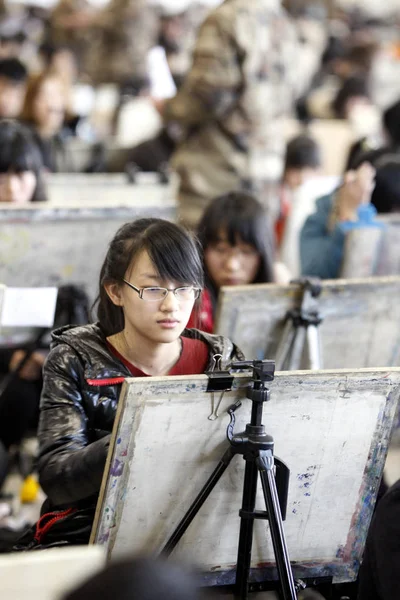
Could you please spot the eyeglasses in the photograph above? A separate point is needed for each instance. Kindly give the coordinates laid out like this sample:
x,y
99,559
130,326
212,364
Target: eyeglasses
x,y
154,294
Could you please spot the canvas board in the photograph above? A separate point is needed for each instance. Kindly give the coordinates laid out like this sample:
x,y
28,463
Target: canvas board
x,y
370,251
332,428
27,307
55,245
112,189
389,258
360,327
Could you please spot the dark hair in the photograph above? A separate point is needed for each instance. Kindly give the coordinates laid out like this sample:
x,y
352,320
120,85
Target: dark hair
x,y
351,88
140,579
302,151
172,250
34,86
386,161
13,70
19,152
241,217
49,50
386,194
391,120
18,37
362,55
335,49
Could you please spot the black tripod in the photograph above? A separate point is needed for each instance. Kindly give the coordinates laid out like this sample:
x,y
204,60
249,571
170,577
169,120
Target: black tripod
x,y
257,449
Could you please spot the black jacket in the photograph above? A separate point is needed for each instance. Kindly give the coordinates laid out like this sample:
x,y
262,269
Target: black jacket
x,y
81,387
380,570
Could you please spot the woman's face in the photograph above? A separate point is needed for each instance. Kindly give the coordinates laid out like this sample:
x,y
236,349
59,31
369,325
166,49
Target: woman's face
x,y
231,265
156,321
49,106
17,188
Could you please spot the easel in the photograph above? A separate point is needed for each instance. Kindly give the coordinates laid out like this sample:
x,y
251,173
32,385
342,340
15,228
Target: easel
x,y
356,314
257,449
300,345
70,235
162,428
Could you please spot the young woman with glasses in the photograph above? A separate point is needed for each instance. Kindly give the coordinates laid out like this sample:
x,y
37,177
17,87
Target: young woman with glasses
x,y
238,249
149,283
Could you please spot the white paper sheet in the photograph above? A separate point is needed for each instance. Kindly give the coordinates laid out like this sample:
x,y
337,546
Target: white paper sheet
x,y
28,307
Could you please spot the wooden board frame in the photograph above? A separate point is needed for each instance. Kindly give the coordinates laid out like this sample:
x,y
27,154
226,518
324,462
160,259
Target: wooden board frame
x,y
360,328
353,410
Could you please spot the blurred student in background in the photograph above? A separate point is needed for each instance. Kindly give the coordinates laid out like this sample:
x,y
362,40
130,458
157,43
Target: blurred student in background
x,y
230,108
301,185
44,112
13,76
302,162
20,183
238,249
21,166
322,237
379,577
386,144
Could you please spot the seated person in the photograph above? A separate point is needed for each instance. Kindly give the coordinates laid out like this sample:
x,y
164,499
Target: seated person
x,y
149,282
322,237
342,62
238,249
45,112
13,77
302,162
365,149
21,166
379,577
20,182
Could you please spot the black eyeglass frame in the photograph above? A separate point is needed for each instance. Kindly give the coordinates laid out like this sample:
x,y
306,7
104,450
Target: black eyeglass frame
x,y
197,291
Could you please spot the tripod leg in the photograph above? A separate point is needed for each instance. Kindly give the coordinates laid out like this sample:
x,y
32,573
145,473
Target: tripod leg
x,y
199,501
314,353
265,463
297,349
246,530
285,345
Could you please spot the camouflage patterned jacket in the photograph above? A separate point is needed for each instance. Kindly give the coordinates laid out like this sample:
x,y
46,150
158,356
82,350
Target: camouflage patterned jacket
x,y
241,84
125,32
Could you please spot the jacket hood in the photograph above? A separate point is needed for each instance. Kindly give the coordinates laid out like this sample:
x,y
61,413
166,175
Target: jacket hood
x,y
90,343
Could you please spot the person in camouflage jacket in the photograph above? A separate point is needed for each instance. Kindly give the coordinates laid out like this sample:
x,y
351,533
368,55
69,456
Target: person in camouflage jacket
x,y
233,100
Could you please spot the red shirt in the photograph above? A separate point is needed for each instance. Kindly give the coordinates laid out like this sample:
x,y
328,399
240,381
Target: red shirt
x,y
192,361
280,223
202,314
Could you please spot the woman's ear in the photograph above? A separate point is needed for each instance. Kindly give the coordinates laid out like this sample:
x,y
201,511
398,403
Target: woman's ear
x,y
113,290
